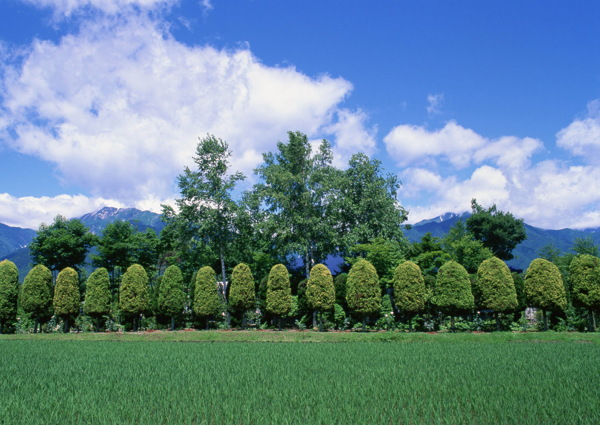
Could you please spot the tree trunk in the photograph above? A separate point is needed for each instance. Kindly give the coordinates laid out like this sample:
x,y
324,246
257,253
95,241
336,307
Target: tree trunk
x,y
545,320
279,321
135,324
410,327
66,325
35,325
207,326
97,324
592,327
224,295
244,319
172,323
314,319
307,264
498,327
321,327
452,323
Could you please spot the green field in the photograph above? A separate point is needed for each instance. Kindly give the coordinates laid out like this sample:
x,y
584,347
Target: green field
x,y
429,380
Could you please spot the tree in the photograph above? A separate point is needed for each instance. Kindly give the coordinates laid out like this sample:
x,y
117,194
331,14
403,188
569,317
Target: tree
x,y
97,295
279,292
367,204
65,243
585,246
296,191
9,292
36,296
452,293
500,231
544,288
383,254
339,284
495,288
320,291
410,292
463,248
363,293
67,299
134,297
206,209
171,298
206,296
584,273
242,294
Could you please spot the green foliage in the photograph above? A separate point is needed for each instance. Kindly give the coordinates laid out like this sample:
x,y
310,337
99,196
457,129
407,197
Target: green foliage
x,y
585,246
134,295
171,298
279,292
67,299
428,254
97,293
495,288
9,292
320,291
242,294
339,284
499,231
584,273
544,286
363,293
462,247
368,205
114,246
65,243
410,292
206,295
452,291
36,295
383,254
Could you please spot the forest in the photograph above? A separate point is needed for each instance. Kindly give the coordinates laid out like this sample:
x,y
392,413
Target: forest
x,y
309,246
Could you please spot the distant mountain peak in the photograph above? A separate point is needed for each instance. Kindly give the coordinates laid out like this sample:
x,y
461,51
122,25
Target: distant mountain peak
x,y
448,216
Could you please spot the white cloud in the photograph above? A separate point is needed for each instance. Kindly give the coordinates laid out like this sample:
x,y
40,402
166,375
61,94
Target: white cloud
x,y
30,212
118,107
582,136
351,136
68,7
434,103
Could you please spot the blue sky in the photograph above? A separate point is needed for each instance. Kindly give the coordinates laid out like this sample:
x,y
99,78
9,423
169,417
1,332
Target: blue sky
x,y
102,101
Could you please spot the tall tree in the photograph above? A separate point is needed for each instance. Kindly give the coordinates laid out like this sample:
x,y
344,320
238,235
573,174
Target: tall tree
x,y
296,191
410,292
279,292
134,296
207,212
64,243
363,293
9,292
585,246
584,273
206,296
383,254
36,295
67,299
171,298
320,291
242,295
494,288
452,293
367,204
498,230
463,248
97,296
544,287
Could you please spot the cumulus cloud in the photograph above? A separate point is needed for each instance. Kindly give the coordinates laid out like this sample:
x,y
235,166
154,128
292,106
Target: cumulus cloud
x,y
30,212
582,136
118,107
68,7
351,136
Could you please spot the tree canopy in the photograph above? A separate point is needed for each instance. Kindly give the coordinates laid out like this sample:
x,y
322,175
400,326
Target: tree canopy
x,y
363,293
9,292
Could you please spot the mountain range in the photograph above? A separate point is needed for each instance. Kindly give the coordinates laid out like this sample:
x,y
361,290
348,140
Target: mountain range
x,y
14,240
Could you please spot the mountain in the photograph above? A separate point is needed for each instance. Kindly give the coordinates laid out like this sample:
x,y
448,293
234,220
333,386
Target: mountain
x,y
524,253
141,220
13,238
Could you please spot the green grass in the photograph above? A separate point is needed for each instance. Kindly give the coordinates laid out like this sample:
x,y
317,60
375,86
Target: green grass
x,y
456,381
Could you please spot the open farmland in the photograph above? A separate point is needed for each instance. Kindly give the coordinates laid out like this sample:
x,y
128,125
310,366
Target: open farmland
x,y
168,382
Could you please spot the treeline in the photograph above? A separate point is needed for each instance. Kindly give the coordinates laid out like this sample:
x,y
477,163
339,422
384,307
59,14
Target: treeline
x,y
493,298
302,212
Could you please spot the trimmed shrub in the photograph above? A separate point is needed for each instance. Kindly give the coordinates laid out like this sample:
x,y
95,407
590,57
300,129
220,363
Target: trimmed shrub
x,y
363,293
410,293
242,294
67,299
134,297
9,292
544,287
36,296
452,293
495,288
171,298
206,294
320,292
279,292
97,295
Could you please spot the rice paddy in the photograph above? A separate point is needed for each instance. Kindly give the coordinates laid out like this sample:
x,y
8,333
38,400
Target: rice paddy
x,y
167,382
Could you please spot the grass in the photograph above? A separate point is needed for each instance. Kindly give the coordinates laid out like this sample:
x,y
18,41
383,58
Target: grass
x,y
439,379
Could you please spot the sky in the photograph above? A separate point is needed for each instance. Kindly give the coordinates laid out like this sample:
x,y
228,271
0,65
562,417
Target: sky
x,y
102,102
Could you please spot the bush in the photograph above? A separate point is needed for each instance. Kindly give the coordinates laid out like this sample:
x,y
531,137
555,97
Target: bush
x,y
9,293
